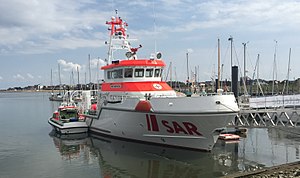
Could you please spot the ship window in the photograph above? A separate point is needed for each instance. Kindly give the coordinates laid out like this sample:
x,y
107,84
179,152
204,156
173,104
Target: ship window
x,y
117,73
128,73
108,74
157,73
149,73
139,73
161,72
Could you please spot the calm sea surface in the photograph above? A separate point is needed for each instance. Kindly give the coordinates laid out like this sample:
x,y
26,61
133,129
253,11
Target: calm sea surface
x,y
28,148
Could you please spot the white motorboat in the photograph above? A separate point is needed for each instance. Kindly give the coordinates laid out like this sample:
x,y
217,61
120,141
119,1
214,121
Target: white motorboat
x,y
67,120
136,104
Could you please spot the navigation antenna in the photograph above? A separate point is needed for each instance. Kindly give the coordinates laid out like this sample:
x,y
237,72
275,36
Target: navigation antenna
x,y
118,38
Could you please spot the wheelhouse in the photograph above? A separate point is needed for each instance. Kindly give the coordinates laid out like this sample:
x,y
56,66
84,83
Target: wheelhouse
x,y
134,70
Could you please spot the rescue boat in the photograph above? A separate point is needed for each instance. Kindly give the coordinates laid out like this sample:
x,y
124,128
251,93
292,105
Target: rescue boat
x,y
67,120
136,104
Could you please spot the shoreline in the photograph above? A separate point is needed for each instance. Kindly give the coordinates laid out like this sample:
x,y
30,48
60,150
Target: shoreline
x,y
24,91
284,170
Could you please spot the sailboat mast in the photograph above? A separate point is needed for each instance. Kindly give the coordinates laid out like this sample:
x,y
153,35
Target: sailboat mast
x,y
90,75
219,64
51,82
274,68
198,72
98,73
258,86
288,74
175,79
231,43
244,60
77,75
222,67
187,68
245,75
257,74
59,76
171,75
251,82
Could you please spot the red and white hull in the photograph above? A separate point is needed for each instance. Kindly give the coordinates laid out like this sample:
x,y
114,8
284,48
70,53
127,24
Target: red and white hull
x,y
189,122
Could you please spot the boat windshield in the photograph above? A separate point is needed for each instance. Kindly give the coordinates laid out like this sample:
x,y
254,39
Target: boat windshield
x,y
67,114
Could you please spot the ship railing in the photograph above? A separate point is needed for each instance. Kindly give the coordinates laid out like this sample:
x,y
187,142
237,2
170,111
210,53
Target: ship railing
x,y
122,98
214,94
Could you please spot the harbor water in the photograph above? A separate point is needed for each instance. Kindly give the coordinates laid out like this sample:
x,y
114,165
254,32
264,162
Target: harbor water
x,y
29,148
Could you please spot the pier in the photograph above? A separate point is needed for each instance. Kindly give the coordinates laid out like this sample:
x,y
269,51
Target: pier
x,y
268,117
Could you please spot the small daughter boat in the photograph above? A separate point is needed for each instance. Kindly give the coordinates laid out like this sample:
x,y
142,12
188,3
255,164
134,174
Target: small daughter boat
x,y
67,120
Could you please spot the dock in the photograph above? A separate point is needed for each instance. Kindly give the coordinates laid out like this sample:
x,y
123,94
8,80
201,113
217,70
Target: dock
x,y
289,117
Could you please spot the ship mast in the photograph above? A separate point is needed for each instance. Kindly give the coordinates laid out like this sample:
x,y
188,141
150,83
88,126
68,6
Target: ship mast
x,y
118,38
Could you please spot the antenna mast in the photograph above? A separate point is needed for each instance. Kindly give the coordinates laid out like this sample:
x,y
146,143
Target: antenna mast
x,y
118,38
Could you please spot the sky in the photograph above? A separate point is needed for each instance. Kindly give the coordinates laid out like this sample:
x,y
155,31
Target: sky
x,y
37,36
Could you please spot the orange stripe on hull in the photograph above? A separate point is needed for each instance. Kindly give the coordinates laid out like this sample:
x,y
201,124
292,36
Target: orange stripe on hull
x,y
136,86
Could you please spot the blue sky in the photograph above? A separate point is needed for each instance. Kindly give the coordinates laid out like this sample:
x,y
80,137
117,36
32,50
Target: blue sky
x,y
37,35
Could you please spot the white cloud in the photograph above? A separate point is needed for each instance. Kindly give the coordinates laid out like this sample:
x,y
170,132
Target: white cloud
x,y
18,77
29,76
46,26
97,62
190,50
274,15
68,66
1,78
49,25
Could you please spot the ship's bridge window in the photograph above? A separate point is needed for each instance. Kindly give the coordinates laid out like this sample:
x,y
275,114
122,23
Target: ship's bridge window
x,y
139,73
108,74
157,73
149,73
118,73
128,72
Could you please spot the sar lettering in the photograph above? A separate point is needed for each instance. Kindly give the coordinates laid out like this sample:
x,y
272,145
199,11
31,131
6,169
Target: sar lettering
x,y
184,127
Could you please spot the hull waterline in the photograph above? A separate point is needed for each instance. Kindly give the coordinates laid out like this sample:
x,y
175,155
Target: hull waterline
x,y
68,128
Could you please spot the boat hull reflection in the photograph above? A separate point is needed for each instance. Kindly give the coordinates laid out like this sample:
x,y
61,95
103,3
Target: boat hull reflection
x,y
118,158
70,146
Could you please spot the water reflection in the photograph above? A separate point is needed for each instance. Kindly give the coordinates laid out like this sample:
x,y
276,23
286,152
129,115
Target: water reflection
x,y
287,141
118,158
269,146
71,146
